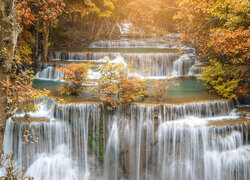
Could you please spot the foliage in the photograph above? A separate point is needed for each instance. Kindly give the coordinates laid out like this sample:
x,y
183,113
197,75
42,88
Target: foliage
x,y
21,94
232,14
222,78
39,13
220,31
118,85
74,75
131,89
160,88
103,8
233,46
151,16
39,16
12,171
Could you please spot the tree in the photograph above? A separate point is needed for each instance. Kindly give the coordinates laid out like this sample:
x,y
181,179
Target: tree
x,y
8,39
21,95
160,88
231,47
16,86
220,31
224,79
103,10
118,85
74,75
42,15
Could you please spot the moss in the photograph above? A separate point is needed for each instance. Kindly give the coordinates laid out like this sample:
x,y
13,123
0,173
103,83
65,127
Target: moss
x,y
97,143
122,161
101,140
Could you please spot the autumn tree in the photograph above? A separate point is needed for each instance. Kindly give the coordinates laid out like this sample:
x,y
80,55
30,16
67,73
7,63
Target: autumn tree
x,y
21,95
161,87
42,15
222,79
103,10
74,75
118,85
16,90
220,31
9,32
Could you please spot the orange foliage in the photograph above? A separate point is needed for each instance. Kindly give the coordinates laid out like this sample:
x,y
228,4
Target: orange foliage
x,y
41,13
232,44
20,92
160,88
74,75
130,90
118,86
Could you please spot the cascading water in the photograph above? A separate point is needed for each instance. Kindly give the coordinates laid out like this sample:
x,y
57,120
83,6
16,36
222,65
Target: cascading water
x,y
160,64
147,43
84,141
50,73
139,142
56,148
147,64
183,64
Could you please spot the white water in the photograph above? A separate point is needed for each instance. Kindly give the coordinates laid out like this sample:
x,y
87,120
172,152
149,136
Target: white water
x,y
125,28
147,43
141,142
158,65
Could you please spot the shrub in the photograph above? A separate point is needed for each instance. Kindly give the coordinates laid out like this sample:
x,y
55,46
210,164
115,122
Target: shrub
x,y
21,94
224,79
118,85
160,88
74,75
12,172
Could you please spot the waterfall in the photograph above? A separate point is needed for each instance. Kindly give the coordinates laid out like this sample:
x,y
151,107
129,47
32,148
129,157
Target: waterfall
x,y
58,147
112,153
145,43
154,145
126,28
51,73
135,142
199,152
147,64
182,65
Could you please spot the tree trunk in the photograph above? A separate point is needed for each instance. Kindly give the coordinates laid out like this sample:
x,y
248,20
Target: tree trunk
x,y
99,30
1,32
37,44
10,30
93,27
3,105
113,27
45,43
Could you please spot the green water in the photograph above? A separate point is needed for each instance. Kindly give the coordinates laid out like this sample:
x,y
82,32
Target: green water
x,y
184,85
46,84
189,90
188,84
